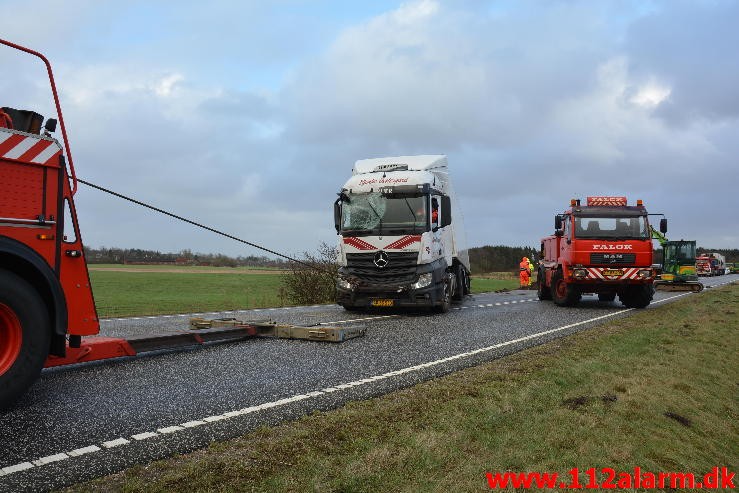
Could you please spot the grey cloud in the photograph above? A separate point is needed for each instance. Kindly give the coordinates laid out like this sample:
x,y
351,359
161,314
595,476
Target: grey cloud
x,y
691,46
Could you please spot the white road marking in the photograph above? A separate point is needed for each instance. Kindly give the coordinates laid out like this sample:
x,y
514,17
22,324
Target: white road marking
x,y
144,436
49,459
84,450
357,320
192,424
169,429
115,443
118,442
16,468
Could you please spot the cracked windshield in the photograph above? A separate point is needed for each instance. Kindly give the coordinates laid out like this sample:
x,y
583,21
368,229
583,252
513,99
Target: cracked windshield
x,y
375,213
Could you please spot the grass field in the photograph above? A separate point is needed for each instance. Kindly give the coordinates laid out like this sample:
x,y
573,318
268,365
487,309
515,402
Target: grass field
x,y
120,294
657,390
132,290
180,268
487,284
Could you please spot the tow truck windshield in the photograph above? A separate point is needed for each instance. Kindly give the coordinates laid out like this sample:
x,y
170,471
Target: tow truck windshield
x,y
620,228
384,214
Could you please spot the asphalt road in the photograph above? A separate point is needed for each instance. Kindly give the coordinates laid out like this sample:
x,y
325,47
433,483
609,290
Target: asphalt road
x,y
88,420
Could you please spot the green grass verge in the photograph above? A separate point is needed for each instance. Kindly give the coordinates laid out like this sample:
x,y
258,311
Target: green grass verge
x,y
193,268
657,390
120,294
487,284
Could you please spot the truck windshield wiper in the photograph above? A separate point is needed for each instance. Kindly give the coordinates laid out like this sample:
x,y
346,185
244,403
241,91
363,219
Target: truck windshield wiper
x,y
412,213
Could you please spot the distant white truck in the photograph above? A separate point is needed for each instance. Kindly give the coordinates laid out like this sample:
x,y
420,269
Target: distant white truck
x,y
401,235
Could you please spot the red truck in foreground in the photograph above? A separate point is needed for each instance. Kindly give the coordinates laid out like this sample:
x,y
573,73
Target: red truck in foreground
x,y
604,247
46,301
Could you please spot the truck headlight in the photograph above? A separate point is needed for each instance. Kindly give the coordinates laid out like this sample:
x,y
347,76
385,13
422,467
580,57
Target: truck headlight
x,y
344,283
580,273
423,281
645,273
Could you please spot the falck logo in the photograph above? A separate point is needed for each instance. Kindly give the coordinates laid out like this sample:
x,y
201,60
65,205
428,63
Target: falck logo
x,y
381,259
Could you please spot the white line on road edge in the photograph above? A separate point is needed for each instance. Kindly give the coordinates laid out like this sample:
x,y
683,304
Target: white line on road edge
x,y
119,442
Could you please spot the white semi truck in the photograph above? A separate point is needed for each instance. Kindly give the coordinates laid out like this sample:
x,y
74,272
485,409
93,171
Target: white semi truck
x,y
401,235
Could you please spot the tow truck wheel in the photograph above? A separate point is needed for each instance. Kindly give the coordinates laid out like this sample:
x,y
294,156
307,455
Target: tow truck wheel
x,y
637,296
24,337
542,291
606,296
562,293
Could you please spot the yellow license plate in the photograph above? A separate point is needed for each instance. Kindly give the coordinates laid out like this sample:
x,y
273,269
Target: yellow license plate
x,y
382,302
612,272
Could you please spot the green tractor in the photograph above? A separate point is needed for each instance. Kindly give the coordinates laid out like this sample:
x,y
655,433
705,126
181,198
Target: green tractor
x,y
678,265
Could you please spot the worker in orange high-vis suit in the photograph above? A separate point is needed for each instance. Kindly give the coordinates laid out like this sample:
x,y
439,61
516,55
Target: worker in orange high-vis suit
x,y
523,273
531,271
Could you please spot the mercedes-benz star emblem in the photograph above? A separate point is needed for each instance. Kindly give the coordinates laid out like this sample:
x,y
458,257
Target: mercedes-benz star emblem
x,y
381,259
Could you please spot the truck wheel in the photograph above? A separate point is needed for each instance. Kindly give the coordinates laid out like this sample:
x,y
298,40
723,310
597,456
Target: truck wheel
x,y
606,296
637,296
24,337
542,291
446,300
351,308
460,274
562,293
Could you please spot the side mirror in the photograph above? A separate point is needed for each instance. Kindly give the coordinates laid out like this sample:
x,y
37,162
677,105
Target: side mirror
x,y
446,211
337,215
558,223
663,225
50,125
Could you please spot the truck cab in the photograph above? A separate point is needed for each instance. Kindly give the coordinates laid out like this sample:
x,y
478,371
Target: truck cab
x,y
603,247
400,235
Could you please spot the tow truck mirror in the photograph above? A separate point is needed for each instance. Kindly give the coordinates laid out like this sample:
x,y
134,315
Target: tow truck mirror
x,y
663,225
50,125
558,223
337,215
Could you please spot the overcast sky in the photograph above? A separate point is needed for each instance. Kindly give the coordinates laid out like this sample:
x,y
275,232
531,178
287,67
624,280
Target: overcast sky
x,y
248,115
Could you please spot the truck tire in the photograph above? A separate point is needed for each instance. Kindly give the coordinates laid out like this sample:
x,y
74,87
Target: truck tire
x,y
542,291
24,337
446,300
637,296
350,308
563,294
461,274
606,296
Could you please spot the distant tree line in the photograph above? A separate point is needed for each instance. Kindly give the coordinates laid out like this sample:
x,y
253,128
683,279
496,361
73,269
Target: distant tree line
x,y
499,258
487,258
732,255
105,255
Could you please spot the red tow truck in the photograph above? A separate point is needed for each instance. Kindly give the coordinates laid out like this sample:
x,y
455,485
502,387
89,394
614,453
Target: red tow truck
x,y
604,247
47,308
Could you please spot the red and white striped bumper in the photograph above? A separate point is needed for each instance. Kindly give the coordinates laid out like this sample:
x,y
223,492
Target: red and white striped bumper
x,y
616,274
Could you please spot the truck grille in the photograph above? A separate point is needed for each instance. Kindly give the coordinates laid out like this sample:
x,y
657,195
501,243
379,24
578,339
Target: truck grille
x,y
612,258
401,267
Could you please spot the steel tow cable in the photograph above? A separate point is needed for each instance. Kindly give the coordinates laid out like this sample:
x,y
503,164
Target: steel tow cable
x,y
199,225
